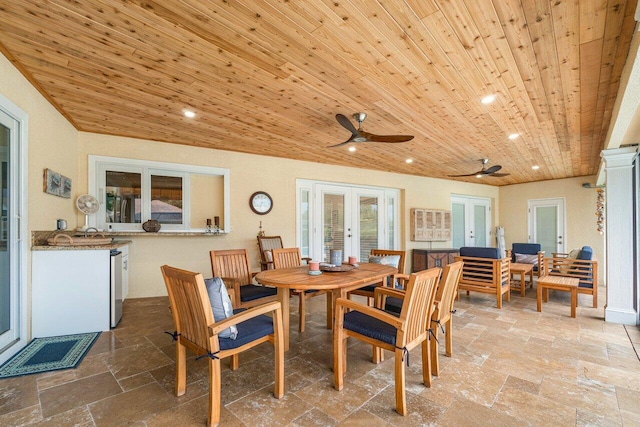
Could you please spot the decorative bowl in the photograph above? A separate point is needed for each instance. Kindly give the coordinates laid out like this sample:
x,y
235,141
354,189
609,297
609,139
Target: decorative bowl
x,y
151,226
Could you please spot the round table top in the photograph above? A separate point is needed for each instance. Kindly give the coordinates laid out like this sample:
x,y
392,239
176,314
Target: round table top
x,y
298,277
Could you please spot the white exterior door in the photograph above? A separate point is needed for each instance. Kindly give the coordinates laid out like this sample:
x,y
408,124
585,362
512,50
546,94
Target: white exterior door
x,y
547,224
13,312
352,219
471,219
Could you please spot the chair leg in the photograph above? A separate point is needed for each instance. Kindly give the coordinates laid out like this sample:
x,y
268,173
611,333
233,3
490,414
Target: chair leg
x,y
433,350
234,363
426,362
301,311
181,368
339,360
378,355
448,331
214,392
595,295
278,349
401,395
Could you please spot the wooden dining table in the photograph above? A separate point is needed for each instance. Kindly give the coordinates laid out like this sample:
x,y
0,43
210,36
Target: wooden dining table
x,y
338,283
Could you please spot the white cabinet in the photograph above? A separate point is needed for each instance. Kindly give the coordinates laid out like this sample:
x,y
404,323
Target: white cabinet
x,y
70,292
125,271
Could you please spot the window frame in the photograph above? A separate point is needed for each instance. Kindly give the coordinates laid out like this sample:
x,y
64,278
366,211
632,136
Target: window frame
x,y
98,165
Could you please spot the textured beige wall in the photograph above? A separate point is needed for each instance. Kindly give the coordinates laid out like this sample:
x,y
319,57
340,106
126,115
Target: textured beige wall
x,y
52,143
580,207
250,173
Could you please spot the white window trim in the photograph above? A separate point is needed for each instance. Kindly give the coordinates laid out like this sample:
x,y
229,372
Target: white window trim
x,y
97,189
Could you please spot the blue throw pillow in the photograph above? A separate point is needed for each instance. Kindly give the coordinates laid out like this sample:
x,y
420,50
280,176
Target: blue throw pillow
x,y
221,305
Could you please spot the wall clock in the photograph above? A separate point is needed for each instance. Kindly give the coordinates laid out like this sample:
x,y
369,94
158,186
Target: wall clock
x,y
261,203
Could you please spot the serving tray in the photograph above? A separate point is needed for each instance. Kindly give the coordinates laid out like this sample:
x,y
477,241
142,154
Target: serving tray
x,y
337,268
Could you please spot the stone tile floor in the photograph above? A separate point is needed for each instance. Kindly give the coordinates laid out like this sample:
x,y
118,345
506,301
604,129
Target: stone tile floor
x,y
510,367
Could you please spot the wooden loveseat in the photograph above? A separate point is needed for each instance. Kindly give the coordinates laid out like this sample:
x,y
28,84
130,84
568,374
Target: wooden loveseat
x,y
485,271
582,267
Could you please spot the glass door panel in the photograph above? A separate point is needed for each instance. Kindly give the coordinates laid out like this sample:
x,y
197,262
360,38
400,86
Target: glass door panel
x,y
480,225
333,227
368,226
547,224
5,282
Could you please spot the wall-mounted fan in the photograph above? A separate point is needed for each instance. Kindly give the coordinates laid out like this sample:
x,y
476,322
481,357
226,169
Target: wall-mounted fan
x,y
484,171
88,205
359,135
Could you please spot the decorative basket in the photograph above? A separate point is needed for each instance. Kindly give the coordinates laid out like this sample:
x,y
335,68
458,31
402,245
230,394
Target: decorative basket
x,y
151,226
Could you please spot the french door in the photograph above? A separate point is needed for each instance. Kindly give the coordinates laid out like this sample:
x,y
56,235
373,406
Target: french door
x,y
347,218
547,224
12,228
471,221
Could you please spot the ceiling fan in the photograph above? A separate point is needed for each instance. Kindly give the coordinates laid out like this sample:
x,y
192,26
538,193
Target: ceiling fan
x,y
484,171
359,135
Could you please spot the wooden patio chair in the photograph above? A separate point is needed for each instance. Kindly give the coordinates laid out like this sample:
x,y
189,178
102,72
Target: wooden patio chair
x,y
266,244
386,331
196,330
290,257
232,266
443,310
385,256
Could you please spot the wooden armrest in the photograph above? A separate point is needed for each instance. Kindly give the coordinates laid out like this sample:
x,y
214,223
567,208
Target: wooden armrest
x,y
250,313
370,311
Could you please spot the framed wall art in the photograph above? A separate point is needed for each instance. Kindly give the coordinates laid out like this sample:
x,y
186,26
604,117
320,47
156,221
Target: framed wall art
x,y
56,184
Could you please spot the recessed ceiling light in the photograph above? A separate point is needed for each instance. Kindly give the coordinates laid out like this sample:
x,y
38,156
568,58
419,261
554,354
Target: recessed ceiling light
x,y
514,135
409,161
535,167
189,113
488,99
352,149
479,175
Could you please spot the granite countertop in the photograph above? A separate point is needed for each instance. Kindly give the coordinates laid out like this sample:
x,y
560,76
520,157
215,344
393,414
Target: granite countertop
x,y
39,242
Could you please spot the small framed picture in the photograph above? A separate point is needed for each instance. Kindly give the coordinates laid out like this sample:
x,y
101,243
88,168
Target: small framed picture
x,y
56,184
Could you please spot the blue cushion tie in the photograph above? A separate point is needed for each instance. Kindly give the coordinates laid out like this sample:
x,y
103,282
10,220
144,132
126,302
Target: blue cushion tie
x,y
441,328
174,335
434,335
209,355
405,352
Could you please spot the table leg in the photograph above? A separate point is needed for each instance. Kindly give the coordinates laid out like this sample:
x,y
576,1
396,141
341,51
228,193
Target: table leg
x,y
283,297
329,310
522,283
574,301
539,297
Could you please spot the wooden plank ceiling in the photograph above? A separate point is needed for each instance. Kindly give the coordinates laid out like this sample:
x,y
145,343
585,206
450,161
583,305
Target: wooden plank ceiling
x,y
268,77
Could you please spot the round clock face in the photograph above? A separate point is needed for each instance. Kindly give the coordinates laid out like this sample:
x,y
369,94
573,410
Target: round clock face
x,y
260,202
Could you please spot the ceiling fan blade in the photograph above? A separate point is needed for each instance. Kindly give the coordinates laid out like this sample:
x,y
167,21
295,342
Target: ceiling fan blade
x,y
492,170
342,143
346,123
386,138
458,176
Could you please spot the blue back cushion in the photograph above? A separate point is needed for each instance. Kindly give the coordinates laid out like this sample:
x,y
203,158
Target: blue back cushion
x,y
524,248
493,253
586,253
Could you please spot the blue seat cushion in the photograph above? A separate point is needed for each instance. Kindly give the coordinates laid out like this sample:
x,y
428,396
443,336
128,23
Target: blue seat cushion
x,y
370,327
493,253
249,330
253,292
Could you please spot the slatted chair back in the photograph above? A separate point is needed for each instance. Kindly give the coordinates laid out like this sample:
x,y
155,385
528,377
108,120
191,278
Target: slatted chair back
x,y
231,264
448,288
389,252
191,309
286,258
417,307
266,245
